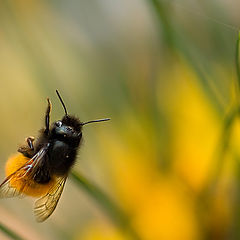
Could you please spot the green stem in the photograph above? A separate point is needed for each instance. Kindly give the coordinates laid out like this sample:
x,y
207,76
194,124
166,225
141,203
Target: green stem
x,y
161,14
229,120
9,232
206,197
114,212
223,145
237,60
180,44
226,132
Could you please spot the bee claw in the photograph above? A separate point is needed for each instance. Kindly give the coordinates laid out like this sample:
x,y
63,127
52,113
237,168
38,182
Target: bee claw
x,y
30,141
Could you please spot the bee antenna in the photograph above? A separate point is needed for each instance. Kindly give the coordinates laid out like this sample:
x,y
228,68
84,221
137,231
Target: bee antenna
x,y
65,109
98,120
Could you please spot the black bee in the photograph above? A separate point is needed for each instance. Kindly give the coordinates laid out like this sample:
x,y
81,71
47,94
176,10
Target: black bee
x,y
41,167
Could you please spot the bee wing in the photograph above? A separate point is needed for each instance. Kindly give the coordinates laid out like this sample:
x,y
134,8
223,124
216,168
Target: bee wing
x,y
7,190
45,205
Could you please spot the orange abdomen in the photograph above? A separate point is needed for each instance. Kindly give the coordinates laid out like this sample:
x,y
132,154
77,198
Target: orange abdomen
x,y
26,185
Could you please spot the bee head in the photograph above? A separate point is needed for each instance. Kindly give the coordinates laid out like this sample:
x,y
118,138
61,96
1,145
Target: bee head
x,y
70,126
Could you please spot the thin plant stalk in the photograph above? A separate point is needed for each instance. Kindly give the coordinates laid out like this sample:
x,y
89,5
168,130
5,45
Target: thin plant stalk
x,y
237,60
110,208
175,42
231,116
10,233
207,195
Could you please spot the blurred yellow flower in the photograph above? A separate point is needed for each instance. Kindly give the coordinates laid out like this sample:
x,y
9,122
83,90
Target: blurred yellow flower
x,y
100,231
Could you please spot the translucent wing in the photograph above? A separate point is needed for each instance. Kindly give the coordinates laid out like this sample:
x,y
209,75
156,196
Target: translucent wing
x,y
45,205
25,172
7,191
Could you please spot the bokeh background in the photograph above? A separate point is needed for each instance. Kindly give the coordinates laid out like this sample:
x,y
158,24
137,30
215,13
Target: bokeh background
x,y
165,73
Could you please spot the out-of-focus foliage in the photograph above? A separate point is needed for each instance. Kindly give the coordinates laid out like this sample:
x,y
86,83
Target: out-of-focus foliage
x,y
165,73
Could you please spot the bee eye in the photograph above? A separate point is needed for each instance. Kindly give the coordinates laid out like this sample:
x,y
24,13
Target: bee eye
x,y
58,123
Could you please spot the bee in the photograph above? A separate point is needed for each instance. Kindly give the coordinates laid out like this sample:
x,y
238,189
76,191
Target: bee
x,y
41,166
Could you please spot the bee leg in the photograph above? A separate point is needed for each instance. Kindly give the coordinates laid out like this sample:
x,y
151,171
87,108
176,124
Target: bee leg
x,y
47,117
29,149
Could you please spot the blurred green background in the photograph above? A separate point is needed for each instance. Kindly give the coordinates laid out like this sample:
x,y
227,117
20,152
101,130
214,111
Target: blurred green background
x,y
165,73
